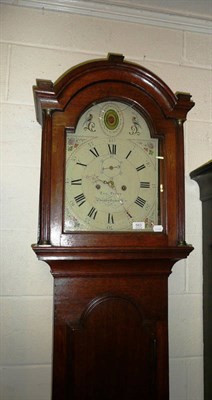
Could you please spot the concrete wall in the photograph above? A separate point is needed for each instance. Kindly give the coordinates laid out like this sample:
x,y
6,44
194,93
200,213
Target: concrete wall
x,y
41,44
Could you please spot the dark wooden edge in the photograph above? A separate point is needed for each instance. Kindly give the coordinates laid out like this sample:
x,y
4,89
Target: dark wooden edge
x,y
66,253
51,96
203,169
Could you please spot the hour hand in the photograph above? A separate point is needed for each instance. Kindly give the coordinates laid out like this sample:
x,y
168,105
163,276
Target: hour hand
x,y
109,183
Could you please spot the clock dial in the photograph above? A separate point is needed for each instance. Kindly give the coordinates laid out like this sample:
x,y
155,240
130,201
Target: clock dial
x,y
111,180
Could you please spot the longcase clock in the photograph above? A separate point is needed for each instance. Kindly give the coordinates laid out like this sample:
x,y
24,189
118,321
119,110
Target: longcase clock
x,y
111,225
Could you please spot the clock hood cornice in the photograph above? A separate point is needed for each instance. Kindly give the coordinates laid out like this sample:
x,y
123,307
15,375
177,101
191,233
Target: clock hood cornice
x,y
56,96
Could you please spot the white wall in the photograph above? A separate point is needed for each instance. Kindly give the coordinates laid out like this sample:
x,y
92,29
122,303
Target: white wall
x,y
37,44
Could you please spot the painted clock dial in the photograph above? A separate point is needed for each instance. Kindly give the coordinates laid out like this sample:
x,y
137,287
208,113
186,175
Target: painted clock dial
x,y
111,174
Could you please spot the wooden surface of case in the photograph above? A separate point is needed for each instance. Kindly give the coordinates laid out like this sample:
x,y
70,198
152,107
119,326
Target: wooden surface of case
x,y
110,288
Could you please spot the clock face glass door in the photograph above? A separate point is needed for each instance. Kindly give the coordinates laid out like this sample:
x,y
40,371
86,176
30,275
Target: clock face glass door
x,y
111,173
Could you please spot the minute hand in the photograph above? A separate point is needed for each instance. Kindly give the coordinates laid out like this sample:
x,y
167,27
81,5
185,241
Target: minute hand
x,y
112,186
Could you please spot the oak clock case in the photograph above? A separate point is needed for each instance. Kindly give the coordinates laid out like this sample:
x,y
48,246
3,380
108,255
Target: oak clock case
x,y
111,225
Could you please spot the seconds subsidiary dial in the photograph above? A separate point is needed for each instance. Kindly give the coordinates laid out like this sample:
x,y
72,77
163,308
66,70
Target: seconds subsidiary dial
x,y
111,180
